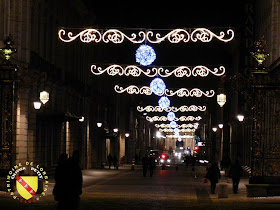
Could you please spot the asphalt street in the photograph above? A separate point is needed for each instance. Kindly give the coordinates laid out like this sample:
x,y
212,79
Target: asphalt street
x,y
167,189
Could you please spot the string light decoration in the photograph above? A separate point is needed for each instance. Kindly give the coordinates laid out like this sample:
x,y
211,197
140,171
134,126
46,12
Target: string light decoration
x,y
159,89
157,86
192,108
164,102
171,116
173,124
145,55
182,118
183,136
136,71
174,36
170,130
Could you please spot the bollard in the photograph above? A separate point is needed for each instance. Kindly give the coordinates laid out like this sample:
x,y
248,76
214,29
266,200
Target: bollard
x,y
223,191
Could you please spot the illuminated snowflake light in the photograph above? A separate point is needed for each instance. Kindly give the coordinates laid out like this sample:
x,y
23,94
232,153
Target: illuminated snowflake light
x,y
145,55
173,124
171,116
157,86
164,102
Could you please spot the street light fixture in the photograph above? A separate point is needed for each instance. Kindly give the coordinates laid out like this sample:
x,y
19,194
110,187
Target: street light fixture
x,y
221,99
82,119
44,97
37,105
240,117
127,135
99,124
115,130
214,129
221,126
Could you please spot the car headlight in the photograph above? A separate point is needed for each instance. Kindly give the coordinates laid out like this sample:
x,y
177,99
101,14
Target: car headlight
x,y
168,160
161,160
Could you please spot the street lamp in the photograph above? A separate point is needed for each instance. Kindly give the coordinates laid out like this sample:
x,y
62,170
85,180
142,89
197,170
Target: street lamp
x,y
221,99
221,126
215,129
37,105
127,135
82,119
44,97
240,117
115,130
99,124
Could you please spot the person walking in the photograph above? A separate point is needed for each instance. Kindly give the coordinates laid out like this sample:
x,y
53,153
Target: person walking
x,y
213,175
152,165
115,162
109,159
69,181
145,163
235,173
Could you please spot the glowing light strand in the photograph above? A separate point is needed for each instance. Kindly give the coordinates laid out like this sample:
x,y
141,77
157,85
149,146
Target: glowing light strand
x,y
182,92
192,108
170,130
136,71
175,36
182,118
175,125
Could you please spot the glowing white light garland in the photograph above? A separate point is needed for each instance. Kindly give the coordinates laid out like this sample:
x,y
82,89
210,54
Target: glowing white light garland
x,y
183,136
182,92
136,71
192,108
175,36
170,130
175,125
182,118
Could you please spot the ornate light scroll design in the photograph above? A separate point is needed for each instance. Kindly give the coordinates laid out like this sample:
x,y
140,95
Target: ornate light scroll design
x,y
170,130
132,89
177,126
182,92
182,118
192,93
192,108
174,36
136,71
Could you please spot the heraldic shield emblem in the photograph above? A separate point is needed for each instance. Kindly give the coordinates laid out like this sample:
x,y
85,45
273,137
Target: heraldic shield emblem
x,y
27,186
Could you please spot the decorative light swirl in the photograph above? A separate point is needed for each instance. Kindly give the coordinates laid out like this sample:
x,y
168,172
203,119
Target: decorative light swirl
x,y
132,89
175,36
117,37
175,125
205,35
86,36
192,108
192,93
181,71
145,90
182,118
170,130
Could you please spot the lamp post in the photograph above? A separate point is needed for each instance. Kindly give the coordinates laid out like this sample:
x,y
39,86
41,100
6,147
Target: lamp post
x,y
221,99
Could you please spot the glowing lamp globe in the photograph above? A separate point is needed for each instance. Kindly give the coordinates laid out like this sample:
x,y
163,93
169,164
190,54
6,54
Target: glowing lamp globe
x,y
171,116
173,124
44,97
145,55
221,99
157,86
164,102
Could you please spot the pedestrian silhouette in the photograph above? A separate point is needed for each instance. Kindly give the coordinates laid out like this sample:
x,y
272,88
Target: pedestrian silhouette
x,y
115,162
151,165
213,175
69,182
145,164
59,177
110,159
235,173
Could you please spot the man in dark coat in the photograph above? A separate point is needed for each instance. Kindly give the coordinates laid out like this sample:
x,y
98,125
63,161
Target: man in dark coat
x,y
235,173
145,164
213,175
